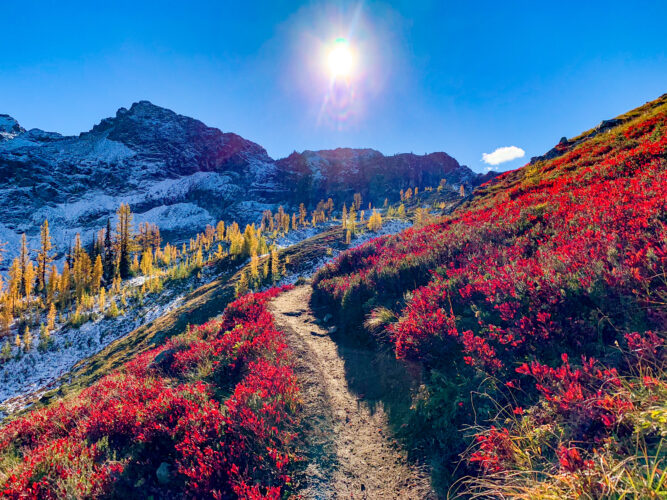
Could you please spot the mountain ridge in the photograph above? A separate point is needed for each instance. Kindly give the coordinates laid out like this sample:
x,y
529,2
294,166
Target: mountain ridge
x,y
179,173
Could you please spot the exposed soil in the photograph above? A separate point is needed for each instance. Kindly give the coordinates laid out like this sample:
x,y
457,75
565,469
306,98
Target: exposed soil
x,y
349,446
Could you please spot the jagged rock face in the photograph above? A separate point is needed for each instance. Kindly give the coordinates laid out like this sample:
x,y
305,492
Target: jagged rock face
x,y
178,173
340,173
9,128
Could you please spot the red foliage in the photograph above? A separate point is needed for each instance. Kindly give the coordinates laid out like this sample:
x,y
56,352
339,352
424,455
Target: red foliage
x,y
566,255
144,417
528,262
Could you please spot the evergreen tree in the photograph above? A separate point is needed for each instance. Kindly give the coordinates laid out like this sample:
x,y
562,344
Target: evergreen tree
x,y
44,337
6,353
124,240
24,258
109,268
44,257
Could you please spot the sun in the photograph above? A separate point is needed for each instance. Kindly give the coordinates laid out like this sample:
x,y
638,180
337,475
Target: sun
x,y
341,59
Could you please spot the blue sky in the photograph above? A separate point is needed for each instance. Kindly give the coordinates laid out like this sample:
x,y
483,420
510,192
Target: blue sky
x,y
461,77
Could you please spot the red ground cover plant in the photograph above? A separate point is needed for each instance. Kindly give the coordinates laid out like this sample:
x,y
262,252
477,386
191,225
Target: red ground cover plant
x,y
567,255
215,408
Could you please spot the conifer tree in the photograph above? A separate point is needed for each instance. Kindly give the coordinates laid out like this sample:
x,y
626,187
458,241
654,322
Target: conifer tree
x,y
52,285
24,258
6,353
96,277
113,310
124,238
344,216
51,318
109,259
329,207
250,242
375,221
15,282
254,268
242,285
462,191
275,265
348,237
199,258
220,231
146,265
6,318
44,336
357,201
81,269
401,211
134,268
44,257
65,284
302,214
29,280
352,219
27,339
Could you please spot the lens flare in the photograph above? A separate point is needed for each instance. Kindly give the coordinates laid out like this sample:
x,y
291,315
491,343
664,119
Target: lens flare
x,y
341,59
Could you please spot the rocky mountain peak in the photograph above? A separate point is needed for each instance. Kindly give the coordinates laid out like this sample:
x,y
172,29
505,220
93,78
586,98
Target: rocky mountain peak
x,y
9,127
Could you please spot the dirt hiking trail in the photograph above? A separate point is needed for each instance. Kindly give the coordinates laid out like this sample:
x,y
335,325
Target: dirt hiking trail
x,y
349,448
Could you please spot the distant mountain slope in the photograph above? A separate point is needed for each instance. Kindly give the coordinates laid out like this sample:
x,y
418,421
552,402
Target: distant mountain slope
x,y
180,174
313,175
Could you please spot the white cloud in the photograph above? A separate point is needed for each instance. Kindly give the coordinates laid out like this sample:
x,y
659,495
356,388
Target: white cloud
x,y
501,155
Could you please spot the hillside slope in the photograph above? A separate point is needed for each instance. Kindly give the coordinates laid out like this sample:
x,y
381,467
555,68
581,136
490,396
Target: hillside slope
x,y
538,311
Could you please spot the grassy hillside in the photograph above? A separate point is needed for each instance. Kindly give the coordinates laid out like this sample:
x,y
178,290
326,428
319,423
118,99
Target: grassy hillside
x,y
538,310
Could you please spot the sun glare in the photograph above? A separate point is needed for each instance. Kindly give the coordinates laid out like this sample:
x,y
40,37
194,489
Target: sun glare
x,y
340,59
